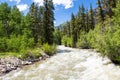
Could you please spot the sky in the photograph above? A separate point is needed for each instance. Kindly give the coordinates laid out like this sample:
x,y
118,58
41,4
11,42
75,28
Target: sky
x,y
63,8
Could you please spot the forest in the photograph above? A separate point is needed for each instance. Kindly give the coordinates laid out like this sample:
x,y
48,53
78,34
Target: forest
x,y
97,28
26,35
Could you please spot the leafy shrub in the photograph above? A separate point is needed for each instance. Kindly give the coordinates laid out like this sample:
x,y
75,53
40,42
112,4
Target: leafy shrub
x,y
32,53
57,37
112,45
49,49
67,41
26,43
3,45
15,43
83,41
107,42
64,40
91,39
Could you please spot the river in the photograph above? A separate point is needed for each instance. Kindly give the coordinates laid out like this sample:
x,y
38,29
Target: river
x,y
69,64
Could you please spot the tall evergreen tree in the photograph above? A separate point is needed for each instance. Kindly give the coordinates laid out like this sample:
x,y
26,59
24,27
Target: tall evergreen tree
x,y
34,18
4,17
108,5
74,31
91,21
117,13
40,23
15,21
48,22
101,16
68,29
87,21
79,21
83,18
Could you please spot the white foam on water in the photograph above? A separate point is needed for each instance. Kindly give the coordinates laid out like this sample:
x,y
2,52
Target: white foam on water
x,y
69,64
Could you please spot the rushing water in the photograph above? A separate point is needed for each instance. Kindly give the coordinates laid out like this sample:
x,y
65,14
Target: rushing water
x,y
69,64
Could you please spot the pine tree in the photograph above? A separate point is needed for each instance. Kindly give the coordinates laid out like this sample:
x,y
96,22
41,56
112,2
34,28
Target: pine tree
x,y
48,22
91,21
87,21
78,21
15,21
26,23
51,8
68,29
83,19
117,13
4,17
74,31
40,23
34,18
108,6
101,16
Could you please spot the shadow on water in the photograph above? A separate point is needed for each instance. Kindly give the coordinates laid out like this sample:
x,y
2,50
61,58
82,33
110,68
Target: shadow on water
x,y
63,51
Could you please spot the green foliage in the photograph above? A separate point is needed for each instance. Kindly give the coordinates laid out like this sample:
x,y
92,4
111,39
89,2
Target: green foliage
x,y
91,39
20,33
49,49
6,54
74,31
31,53
64,40
107,41
67,41
15,43
48,22
101,16
57,37
3,42
111,45
83,41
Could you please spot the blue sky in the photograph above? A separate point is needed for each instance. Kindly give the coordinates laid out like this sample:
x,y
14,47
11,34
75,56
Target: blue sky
x,y
63,8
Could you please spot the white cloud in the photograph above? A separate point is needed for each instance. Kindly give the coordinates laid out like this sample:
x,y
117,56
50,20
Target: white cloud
x,y
67,4
18,1
55,22
39,2
22,7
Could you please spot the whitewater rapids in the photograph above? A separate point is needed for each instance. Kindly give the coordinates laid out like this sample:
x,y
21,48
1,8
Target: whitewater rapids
x,y
69,64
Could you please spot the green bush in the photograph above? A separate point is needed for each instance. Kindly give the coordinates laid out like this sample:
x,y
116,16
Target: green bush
x,y
32,53
26,43
15,43
107,41
3,45
83,41
57,37
67,41
112,45
49,49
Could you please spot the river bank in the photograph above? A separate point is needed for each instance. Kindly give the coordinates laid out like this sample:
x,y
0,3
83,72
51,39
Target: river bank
x,y
8,64
69,64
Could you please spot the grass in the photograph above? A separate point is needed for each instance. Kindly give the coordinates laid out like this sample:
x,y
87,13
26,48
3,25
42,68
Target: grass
x,y
6,54
32,53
